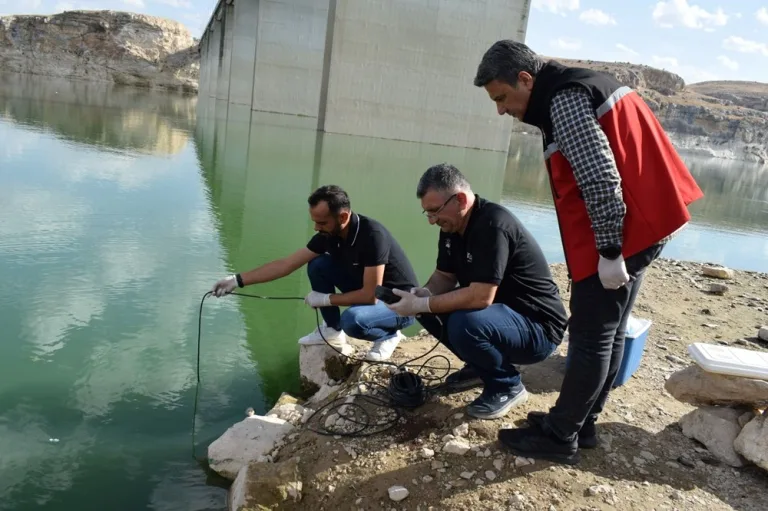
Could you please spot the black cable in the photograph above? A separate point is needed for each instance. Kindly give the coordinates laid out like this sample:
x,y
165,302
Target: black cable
x,y
405,390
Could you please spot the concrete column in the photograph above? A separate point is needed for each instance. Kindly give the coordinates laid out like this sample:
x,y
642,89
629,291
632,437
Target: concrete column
x,y
403,69
289,56
205,67
246,25
228,26
214,57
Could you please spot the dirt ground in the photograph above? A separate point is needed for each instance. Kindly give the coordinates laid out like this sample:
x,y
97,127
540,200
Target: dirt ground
x,y
643,461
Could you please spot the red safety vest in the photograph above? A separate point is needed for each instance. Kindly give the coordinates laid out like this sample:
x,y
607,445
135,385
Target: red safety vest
x,y
656,184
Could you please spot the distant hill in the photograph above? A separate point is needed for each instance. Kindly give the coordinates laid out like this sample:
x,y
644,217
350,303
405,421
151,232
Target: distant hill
x,y
726,119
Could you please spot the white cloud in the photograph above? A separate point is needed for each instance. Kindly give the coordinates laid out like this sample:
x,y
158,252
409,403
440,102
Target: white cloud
x,y
665,62
742,45
566,44
556,6
134,3
762,15
175,3
597,17
728,63
627,49
679,13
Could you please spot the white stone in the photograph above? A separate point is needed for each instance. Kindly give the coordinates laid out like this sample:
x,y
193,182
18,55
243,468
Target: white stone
x,y
245,441
762,334
490,475
717,428
314,359
719,272
458,446
397,493
600,489
448,438
427,453
261,486
498,464
522,462
461,430
752,442
467,475
288,412
427,479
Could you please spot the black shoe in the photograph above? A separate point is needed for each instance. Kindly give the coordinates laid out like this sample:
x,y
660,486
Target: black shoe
x,y
464,378
492,405
534,443
587,435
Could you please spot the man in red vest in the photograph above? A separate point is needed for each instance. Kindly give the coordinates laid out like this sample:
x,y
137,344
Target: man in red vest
x,y
621,192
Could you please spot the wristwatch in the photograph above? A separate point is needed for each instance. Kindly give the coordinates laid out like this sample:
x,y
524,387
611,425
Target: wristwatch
x,y
611,252
239,280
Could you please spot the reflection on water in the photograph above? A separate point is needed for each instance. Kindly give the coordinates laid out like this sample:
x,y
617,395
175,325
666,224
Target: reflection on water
x,y
118,210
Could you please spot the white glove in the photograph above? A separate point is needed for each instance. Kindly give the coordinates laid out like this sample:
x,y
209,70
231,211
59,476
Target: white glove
x,y
613,273
315,299
421,292
224,286
410,304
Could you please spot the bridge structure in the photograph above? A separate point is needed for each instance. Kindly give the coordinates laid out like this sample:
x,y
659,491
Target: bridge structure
x,y
393,69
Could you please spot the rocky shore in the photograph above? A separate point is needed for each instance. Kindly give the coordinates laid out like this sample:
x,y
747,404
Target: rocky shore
x,y
672,437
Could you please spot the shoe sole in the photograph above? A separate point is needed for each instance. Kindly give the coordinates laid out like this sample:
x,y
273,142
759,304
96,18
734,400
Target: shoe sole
x,y
519,399
465,385
565,459
589,442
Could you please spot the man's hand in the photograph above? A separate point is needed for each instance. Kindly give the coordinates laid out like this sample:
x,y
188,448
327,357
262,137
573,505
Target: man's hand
x,y
410,304
612,272
421,292
224,286
315,299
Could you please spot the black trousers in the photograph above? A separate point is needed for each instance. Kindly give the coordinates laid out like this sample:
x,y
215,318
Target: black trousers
x,y
597,327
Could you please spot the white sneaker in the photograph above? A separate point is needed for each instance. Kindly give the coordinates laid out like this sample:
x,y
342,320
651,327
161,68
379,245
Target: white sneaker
x,y
336,338
382,350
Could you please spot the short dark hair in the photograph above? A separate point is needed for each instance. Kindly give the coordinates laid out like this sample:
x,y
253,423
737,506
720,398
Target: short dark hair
x,y
504,60
334,195
441,177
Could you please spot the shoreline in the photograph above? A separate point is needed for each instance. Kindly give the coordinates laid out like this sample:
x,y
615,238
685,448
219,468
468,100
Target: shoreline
x,y
307,470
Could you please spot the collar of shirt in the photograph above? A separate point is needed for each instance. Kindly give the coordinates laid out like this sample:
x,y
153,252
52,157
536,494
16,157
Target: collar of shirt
x,y
352,233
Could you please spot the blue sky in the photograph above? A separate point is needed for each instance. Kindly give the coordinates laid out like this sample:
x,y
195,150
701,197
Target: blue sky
x,y
697,39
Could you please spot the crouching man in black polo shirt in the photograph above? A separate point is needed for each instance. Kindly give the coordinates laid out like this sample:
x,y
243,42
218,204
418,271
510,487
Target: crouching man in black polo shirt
x,y
353,253
506,309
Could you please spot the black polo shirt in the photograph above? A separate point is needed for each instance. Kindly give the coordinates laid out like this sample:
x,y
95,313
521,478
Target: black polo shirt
x,y
497,249
368,243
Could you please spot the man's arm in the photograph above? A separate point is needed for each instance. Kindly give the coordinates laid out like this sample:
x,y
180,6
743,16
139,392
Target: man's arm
x,y
372,276
441,282
583,143
278,268
478,295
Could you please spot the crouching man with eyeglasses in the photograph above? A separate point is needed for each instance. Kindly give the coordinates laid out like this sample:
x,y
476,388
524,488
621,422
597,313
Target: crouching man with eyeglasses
x,y
492,289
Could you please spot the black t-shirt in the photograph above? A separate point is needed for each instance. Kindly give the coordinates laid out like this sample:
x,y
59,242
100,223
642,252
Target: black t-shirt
x,y
368,243
497,249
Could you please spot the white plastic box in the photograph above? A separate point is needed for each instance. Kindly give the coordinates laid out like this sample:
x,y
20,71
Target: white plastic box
x,y
731,361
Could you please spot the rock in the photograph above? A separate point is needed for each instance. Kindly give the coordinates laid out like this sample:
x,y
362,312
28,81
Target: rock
x,y
427,479
319,364
286,399
292,413
762,334
437,465
265,486
695,386
397,493
648,456
716,428
458,446
600,489
461,430
244,442
522,462
119,47
490,475
427,453
676,360
752,442
467,475
718,289
498,464
719,272
745,418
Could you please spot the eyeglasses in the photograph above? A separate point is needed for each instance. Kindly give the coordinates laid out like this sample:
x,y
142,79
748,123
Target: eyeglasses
x,y
433,214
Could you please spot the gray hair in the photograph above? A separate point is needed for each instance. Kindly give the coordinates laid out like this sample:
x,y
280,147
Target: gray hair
x,y
442,177
504,60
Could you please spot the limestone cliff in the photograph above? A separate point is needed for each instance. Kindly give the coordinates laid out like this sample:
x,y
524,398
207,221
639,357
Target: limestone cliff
x,y
118,47
721,119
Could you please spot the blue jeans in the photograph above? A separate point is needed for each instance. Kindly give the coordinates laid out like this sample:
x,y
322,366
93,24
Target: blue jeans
x,y
367,322
492,341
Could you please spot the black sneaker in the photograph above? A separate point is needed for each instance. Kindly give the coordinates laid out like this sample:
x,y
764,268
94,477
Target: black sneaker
x,y
535,443
492,405
587,435
464,378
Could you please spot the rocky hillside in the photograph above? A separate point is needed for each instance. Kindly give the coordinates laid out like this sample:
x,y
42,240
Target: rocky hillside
x,y
721,119
118,47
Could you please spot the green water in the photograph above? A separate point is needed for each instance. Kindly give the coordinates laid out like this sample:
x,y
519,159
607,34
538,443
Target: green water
x,y
118,210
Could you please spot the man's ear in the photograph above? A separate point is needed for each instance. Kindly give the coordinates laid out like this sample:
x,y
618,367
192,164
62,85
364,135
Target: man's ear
x,y
462,199
343,217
